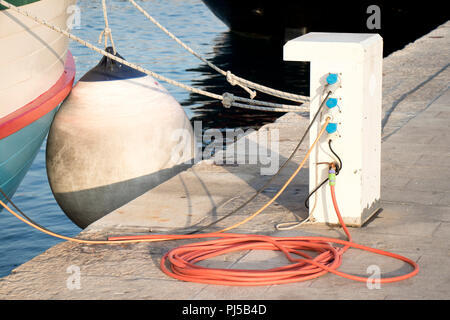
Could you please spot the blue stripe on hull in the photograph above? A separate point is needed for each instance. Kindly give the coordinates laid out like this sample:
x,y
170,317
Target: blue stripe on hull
x,y
18,151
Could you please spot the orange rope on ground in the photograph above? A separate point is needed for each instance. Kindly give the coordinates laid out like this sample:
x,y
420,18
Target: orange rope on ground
x,y
300,166
182,260
156,238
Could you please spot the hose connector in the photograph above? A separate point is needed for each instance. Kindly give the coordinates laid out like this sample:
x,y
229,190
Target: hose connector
x,y
332,175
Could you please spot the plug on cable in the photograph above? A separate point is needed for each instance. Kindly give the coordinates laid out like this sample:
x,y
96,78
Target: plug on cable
x,y
337,167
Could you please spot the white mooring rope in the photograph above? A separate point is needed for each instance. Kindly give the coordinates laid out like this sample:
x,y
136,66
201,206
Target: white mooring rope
x,y
231,78
107,31
227,99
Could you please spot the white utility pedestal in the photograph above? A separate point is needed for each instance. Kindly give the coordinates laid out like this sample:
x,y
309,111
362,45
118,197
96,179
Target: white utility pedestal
x,y
357,60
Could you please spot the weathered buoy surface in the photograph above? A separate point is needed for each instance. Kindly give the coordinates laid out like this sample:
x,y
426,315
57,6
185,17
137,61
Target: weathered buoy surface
x,y
118,134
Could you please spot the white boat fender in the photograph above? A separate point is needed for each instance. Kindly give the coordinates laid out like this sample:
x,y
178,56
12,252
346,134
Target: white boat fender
x,y
118,134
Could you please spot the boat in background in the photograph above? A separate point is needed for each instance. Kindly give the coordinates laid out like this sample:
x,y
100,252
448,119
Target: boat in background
x,y
36,74
400,22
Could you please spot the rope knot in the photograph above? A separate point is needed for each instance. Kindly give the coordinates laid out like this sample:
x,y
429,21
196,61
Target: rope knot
x,y
105,32
233,80
227,100
108,32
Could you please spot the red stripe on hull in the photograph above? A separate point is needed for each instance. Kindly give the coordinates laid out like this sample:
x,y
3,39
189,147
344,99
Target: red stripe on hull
x,y
43,104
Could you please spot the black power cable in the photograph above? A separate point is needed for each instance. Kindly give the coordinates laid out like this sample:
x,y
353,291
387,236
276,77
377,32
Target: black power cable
x,y
275,175
20,211
338,169
295,224
314,191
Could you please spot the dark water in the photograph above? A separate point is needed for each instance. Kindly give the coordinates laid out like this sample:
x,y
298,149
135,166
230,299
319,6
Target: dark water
x,y
139,41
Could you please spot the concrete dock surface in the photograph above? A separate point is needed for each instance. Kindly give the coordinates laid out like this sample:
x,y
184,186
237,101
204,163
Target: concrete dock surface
x,y
414,222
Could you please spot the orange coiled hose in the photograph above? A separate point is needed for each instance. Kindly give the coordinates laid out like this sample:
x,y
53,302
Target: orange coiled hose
x,y
182,261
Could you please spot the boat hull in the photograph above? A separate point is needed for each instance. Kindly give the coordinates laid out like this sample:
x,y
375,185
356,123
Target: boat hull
x,y
36,75
18,152
399,23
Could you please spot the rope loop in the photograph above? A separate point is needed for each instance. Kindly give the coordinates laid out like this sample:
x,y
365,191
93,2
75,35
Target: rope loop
x,y
107,30
234,81
107,33
228,100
